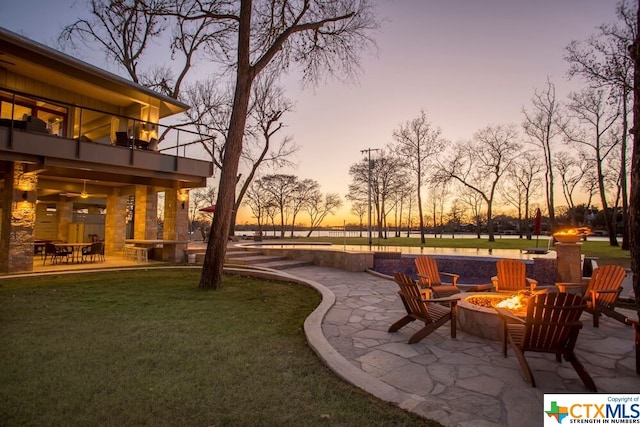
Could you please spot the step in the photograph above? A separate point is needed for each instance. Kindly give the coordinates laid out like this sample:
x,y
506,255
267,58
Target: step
x,y
285,264
252,260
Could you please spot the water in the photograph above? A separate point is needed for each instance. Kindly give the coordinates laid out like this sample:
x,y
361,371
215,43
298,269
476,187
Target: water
x,y
413,250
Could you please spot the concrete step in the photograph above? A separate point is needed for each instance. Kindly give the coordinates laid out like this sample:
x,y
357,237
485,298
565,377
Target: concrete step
x,y
252,260
284,264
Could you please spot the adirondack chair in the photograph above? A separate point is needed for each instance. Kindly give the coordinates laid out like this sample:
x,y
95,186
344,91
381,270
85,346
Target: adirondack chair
x,y
429,277
433,312
552,326
512,276
601,293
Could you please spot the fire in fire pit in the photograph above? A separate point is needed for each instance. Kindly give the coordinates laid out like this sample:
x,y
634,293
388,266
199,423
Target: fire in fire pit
x,y
516,303
477,316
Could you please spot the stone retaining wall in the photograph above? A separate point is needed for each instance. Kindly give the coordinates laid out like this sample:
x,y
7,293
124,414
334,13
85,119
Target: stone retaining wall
x,y
472,270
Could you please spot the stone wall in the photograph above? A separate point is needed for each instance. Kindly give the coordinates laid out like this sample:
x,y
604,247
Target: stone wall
x,y
472,270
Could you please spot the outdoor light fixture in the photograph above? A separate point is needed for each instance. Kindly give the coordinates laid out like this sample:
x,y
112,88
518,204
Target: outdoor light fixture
x,y
84,194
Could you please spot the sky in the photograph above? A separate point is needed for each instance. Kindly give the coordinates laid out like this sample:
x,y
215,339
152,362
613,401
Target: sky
x,y
467,63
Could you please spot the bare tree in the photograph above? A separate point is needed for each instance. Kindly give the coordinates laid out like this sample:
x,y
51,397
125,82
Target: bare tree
x,y
474,201
604,60
480,164
571,171
319,205
281,189
258,201
544,124
521,185
595,118
417,141
359,208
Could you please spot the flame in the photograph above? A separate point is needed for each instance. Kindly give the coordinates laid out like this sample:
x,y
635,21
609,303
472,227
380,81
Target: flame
x,y
515,303
580,231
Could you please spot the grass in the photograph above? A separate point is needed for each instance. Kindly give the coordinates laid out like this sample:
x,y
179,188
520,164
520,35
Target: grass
x,y
149,348
605,253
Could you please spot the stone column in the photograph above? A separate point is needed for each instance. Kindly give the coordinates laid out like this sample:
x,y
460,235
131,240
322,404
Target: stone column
x,y
146,213
176,224
568,259
115,225
18,220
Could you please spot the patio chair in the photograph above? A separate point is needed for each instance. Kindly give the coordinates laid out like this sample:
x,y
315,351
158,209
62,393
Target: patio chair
x,y
601,293
122,140
551,326
54,252
512,276
434,313
429,277
95,250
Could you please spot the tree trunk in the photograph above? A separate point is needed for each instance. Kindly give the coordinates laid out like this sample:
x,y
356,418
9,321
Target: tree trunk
x,y
634,202
211,277
623,173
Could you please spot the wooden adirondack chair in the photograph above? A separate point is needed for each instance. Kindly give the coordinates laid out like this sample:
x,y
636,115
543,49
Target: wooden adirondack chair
x,y
601,293
512,276
551,326
429,277
433,312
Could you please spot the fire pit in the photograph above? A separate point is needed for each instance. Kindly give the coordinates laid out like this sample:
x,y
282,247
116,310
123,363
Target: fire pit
x,y
477,316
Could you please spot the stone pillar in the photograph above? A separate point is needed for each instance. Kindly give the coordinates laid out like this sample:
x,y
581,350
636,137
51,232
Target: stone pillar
x,y
115,225
568,258
146,214
176,224
18,220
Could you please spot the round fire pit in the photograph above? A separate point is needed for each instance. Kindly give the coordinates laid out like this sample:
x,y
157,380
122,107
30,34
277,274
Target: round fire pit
x,y
476,314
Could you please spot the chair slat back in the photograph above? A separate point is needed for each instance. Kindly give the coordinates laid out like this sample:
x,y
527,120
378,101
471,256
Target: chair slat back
x,y
411,297
553,322
606,278
428,266
512,275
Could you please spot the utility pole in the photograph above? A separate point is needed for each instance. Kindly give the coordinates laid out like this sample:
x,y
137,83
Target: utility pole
x,y
370,165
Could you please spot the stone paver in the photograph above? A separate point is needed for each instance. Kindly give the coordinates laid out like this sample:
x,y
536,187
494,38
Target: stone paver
x,y
459,382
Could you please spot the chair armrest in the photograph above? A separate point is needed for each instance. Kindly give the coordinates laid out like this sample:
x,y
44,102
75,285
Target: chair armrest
x,y
454,277
424,277
445,299
494,280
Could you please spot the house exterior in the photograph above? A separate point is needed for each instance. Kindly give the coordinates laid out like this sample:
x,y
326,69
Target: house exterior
x,y
83,154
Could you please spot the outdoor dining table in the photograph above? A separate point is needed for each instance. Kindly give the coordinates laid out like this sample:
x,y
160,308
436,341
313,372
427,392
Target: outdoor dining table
x,y
74,248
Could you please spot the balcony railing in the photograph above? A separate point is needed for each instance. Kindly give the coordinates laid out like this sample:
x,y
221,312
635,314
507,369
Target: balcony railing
x,y
91,125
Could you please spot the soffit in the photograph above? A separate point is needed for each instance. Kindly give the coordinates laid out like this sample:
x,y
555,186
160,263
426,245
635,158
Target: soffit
x,y
25,57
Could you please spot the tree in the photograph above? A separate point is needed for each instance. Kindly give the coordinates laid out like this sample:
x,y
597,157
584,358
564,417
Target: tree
x,y
417,141
543,124
572,170
604,60
281,189
318,206
480,164
521,185
359,208
594,120
324,36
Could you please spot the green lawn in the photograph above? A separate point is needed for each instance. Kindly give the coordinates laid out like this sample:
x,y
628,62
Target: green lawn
x,y
149,348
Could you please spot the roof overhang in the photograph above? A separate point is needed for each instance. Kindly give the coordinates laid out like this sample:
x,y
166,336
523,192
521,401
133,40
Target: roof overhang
x,y
26,57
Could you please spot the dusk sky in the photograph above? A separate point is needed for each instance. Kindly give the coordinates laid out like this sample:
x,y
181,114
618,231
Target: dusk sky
x,y
467,63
